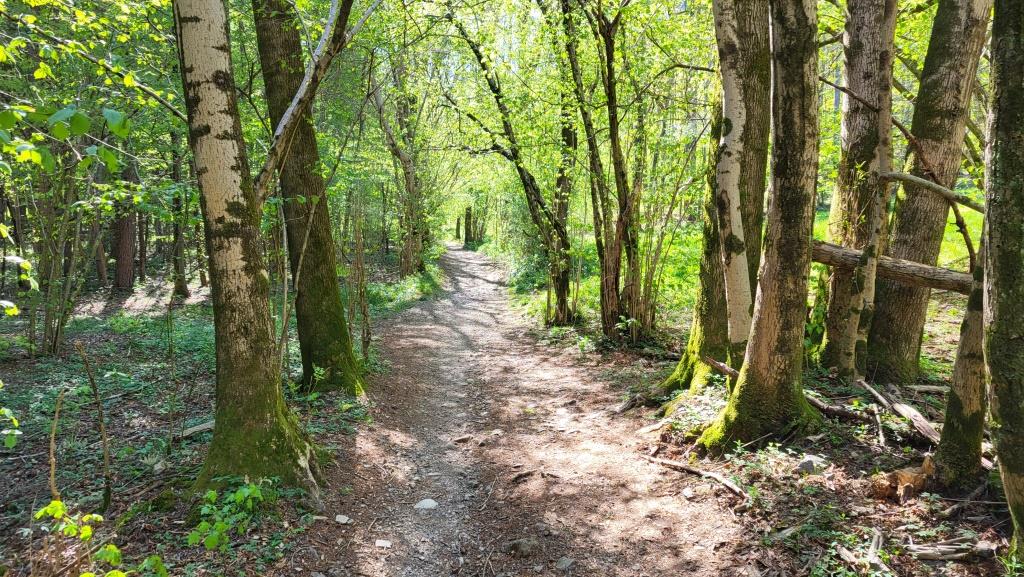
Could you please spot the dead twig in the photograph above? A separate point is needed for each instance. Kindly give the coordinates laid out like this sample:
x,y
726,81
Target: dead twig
x,y
684,468
53,446
107,482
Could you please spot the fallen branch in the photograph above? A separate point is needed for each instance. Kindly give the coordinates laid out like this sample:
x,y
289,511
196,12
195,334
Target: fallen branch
x,y
836,411
684,468
924,429
201,428
952,549
721,367
107,484
53,447
902,271
961,505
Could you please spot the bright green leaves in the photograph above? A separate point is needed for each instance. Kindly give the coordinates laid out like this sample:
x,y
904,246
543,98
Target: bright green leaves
x,y
12,432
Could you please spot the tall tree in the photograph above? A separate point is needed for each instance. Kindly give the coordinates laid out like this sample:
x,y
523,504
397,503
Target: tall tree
x,y
324,340
125,232
938,126
861,201
1004,259
767,398
741,29
255,434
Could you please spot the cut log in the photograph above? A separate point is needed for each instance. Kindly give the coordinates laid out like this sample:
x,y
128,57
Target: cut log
x,y
901,271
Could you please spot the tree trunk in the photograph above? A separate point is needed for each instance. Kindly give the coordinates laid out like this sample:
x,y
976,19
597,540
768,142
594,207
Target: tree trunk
x,y
458,228
861,201
767,398
958,458
125,232
180,215
940,114
742,33
1004,266
328,362
469,226
708,330
143,221
255,434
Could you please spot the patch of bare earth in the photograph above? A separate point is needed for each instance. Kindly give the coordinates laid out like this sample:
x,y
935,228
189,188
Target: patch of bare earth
x,y
514,442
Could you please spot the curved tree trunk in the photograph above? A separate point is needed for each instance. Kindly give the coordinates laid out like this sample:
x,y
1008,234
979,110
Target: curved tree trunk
x,y
328,362
255,435
861,201
1004,266
940,114
768,398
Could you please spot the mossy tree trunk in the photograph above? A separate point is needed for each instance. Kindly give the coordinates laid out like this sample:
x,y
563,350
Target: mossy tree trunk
x,y
767,398
958,458
1004,259
861,201
328,362
708,330
940,115
741,29
255,435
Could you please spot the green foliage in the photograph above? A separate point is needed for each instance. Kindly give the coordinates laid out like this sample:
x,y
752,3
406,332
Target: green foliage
x,y
230,511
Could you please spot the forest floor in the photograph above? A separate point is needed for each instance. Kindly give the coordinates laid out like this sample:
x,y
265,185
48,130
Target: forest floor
x,y
488,446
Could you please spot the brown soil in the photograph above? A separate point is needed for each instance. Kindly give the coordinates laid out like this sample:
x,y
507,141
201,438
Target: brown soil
x,y
513,440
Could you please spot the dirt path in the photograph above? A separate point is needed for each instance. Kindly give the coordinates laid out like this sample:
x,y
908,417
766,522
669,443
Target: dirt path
x,y
514,442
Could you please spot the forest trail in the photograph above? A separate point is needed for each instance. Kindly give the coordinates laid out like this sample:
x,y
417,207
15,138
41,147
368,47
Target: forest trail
x,y
513,439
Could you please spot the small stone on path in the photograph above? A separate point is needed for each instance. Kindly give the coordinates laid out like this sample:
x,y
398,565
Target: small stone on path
x,y
383,543
426,504
564,563
342,519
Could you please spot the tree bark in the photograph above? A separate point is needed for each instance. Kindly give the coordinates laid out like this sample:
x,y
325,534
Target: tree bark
x,y
180,216
742,33
255,434
469,225
328,362
767,398
125,232
958,458
861,201
1004,265
918,225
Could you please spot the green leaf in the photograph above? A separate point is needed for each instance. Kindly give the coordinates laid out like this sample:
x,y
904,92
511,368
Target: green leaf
x,y
8,118
80,124
60,131
116,122
61,115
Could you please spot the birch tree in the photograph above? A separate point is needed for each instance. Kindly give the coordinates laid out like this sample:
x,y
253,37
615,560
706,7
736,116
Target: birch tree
x,y
254,433
742,32
767,398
